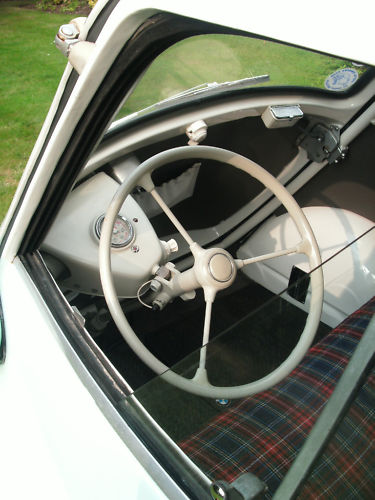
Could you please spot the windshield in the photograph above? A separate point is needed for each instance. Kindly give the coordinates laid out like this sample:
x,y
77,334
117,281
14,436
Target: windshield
x,y
263,433
218,59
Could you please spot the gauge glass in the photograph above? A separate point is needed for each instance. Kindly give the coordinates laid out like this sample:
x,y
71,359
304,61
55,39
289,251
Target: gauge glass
x,y
122,234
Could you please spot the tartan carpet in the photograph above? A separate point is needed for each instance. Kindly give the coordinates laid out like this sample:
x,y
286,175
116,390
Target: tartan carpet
x,y
263,434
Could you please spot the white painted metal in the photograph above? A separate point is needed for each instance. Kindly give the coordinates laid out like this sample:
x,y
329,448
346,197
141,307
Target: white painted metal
x,y
80,53
343,30
326,109
349,278
55,440
73,241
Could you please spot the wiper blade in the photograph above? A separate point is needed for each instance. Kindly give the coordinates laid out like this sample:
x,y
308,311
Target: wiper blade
x,y
215,87
206,88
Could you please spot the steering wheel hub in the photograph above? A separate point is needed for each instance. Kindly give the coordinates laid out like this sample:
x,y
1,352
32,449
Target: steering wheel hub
x,y
221,267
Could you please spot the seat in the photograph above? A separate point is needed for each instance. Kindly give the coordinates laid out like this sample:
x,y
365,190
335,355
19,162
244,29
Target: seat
x,y
263,434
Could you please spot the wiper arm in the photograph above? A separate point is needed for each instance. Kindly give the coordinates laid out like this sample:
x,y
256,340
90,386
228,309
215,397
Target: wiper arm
x,y
206,88
215,87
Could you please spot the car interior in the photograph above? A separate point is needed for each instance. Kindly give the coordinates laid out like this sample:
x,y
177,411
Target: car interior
x,y
172,188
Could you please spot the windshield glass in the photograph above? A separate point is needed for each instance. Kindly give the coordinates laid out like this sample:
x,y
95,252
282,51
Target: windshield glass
x,y
208,59
253,332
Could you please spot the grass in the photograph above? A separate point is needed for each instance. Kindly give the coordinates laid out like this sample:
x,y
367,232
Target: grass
x,y
31,68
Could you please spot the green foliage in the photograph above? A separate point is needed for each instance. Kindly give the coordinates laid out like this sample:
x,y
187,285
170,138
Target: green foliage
x,y
63,5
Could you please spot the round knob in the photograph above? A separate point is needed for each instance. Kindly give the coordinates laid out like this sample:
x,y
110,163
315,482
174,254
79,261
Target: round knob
x,y
221,267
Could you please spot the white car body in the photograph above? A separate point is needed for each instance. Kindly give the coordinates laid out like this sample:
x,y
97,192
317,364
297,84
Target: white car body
x,y
61,437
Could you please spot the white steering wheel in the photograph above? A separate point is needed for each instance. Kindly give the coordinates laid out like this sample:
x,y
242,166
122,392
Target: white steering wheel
x,y
214,269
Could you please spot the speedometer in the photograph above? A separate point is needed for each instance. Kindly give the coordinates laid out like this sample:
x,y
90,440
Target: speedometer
x,y
122,234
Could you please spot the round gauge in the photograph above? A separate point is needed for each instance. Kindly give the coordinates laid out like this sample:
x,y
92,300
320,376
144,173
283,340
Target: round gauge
x,y
122,234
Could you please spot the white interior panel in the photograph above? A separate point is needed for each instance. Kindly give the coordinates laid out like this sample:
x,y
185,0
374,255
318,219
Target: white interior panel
x,y
349,279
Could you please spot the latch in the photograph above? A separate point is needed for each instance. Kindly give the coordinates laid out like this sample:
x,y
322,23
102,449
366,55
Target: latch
x,y
322,143
246,487
66,37
196,132
70,44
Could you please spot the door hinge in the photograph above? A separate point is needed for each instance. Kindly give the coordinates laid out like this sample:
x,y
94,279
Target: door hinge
x,y
66,37
68,41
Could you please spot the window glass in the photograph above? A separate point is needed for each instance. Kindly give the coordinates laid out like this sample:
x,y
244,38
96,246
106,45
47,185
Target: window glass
x,y
210,59
263,433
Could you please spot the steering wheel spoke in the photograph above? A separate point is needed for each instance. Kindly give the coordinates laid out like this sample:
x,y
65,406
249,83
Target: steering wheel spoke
x,y
272,255
201,376
206,334
168,212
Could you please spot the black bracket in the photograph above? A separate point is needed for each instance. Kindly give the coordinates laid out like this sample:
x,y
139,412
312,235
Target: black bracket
x,y
245,487
322,143
298,284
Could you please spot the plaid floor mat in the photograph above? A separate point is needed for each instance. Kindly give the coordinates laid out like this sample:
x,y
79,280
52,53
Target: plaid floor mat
x,y
262,434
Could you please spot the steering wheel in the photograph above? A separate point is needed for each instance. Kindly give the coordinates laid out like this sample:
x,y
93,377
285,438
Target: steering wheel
x,y
214,269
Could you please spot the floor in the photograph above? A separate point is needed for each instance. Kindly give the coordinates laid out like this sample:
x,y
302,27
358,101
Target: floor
x,y
251,333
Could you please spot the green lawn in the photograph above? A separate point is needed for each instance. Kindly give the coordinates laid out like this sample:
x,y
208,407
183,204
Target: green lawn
x,y
31,68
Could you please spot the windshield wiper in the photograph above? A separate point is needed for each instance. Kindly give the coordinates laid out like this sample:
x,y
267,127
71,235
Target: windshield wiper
x,y
212,87
204,88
